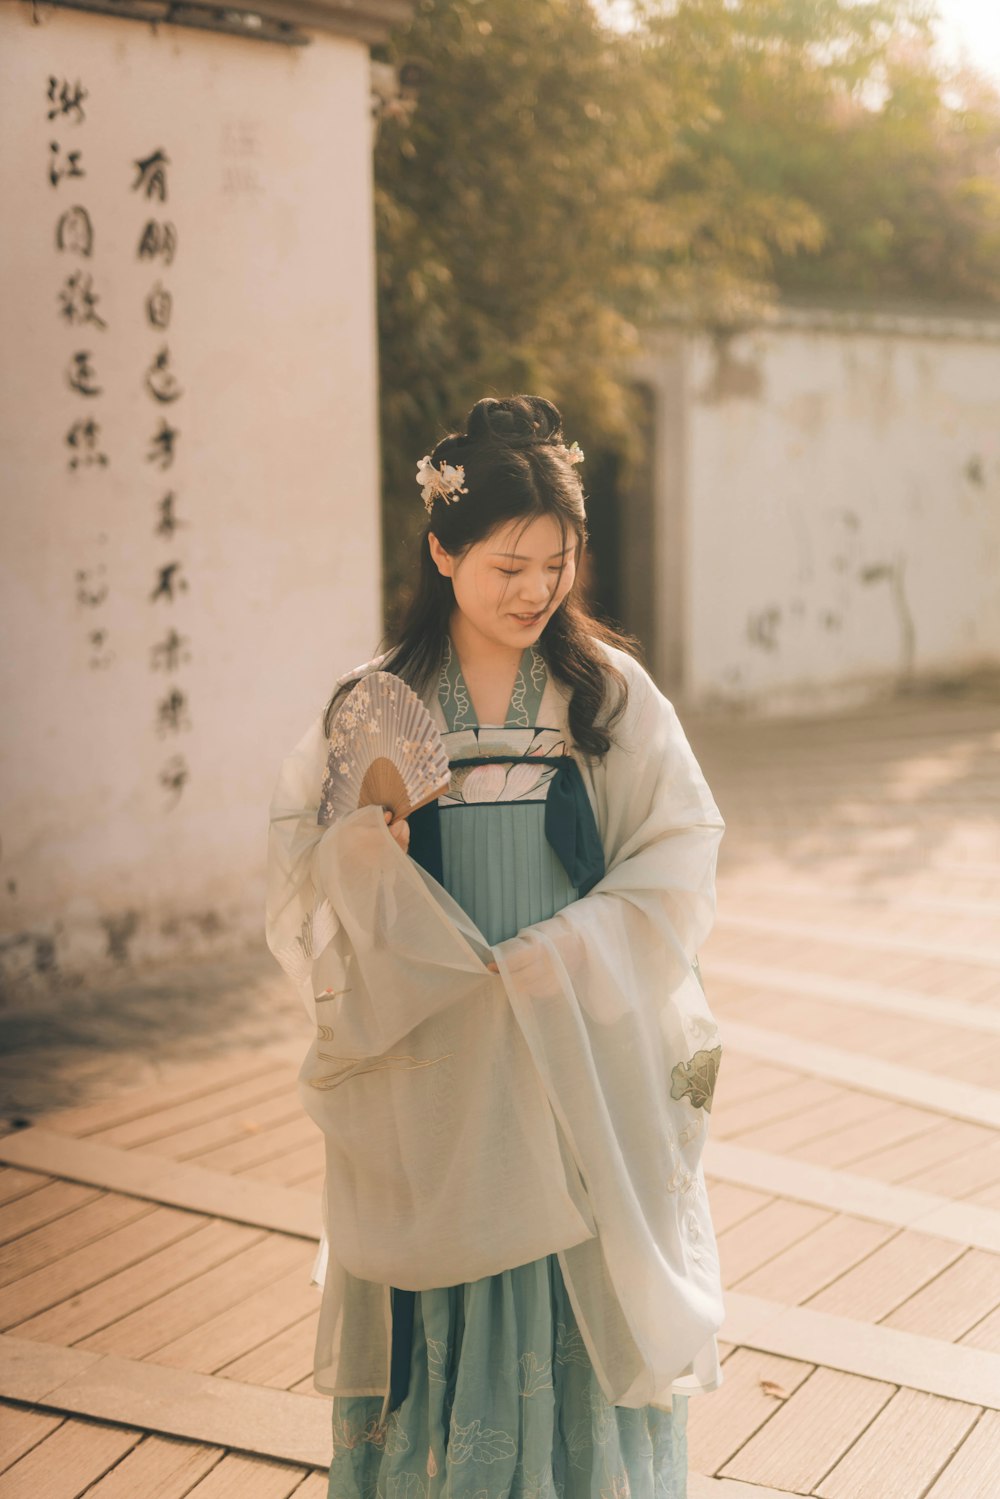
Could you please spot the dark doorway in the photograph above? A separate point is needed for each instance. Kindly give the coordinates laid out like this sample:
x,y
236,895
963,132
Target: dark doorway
x,y
622,556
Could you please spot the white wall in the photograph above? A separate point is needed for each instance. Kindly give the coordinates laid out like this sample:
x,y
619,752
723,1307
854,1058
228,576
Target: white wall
x,y
838,501
271,340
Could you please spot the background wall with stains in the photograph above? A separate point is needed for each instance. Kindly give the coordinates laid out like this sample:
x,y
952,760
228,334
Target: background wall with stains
x,y
829,489
171,628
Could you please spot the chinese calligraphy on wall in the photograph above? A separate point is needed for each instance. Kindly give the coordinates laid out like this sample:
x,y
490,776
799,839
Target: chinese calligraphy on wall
x,y
87,456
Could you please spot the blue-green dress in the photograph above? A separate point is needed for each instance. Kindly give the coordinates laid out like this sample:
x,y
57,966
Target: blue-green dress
x,y
502,1398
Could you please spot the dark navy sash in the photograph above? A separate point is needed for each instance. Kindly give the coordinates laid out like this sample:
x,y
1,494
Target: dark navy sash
x,y
570,826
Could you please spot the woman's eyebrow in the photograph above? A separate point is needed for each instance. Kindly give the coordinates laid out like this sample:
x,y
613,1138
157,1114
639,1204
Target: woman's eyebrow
x,y
520,557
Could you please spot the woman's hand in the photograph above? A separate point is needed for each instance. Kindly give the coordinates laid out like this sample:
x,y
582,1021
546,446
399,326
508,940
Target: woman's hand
x,y
531,967
400,830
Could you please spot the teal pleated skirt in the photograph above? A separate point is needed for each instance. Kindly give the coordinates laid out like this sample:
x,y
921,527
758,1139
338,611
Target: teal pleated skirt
x,y
502,1397
503,1400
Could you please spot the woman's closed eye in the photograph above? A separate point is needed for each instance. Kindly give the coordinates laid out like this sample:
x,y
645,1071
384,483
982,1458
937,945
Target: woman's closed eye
x,y
513,572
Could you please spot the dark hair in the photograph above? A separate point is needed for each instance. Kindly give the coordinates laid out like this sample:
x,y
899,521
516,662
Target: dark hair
x,y
516,465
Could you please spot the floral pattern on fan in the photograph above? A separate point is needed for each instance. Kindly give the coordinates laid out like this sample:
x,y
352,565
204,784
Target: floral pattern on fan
x,y
384,750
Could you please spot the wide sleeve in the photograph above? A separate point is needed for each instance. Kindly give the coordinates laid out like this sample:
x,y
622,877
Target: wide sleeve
x,y
661,830
611,1005
299,922
443,1161
353,921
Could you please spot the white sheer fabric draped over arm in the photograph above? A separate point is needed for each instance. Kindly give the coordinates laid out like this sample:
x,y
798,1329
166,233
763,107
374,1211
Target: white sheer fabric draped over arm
x,y
475,1121
609,998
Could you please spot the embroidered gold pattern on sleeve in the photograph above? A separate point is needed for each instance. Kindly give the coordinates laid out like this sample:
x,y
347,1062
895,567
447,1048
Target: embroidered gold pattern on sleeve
x,y
354,1067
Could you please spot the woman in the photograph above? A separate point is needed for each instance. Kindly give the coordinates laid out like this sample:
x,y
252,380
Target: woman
x,y
522,1284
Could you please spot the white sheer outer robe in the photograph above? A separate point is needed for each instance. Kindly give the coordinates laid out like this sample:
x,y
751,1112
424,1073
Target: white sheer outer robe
x,y
474,1121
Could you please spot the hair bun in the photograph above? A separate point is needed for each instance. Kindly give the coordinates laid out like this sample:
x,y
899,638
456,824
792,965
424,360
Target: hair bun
x,y
518,421
449,449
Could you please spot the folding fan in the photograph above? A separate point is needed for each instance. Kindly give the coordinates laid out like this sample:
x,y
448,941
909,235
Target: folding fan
x,y
385,750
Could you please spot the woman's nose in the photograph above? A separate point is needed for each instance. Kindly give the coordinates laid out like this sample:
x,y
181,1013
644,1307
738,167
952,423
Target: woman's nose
x,y
535,593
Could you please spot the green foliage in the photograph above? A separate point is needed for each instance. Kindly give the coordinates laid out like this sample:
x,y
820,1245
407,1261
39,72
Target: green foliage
x,y
556,187
512,210
842,114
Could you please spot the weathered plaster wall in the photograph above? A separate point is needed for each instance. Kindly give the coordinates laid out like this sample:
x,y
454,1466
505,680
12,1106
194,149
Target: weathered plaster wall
x,y
837,498
175,607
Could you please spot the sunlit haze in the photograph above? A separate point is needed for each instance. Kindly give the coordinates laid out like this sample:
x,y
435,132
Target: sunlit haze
x,y
967,30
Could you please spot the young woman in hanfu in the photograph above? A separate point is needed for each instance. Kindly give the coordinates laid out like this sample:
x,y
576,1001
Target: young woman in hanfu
x,y
514,1058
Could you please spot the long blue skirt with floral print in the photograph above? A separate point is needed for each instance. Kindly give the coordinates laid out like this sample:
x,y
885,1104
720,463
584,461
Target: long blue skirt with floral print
x,y
503,1400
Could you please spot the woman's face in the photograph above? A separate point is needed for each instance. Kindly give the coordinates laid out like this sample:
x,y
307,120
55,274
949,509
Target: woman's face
x,y
507,576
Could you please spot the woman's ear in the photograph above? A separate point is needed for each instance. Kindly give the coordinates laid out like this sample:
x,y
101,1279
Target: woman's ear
x,y
442,559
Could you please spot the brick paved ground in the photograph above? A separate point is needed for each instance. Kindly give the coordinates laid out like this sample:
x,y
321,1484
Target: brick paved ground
x,y
156,1234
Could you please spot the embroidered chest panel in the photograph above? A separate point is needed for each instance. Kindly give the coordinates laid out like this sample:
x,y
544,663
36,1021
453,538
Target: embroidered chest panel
x,y
520,779
455,700
521,739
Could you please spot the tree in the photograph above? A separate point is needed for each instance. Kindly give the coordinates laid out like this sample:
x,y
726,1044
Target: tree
x,y
842,114
511,207
560,186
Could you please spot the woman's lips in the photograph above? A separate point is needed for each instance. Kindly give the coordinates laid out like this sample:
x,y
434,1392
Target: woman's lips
x,y
528,619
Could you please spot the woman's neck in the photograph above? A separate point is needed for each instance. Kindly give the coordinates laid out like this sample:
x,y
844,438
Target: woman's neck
x,y
479,654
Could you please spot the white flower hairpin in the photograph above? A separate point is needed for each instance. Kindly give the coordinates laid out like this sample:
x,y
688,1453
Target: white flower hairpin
x,y
446,481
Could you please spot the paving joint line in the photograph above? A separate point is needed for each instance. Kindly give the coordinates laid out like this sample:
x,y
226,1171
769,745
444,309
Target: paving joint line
x,y
899,1206
846,936
910,1085
907,1002
239,1199
290,1211
954,1371
734,887
257,1419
